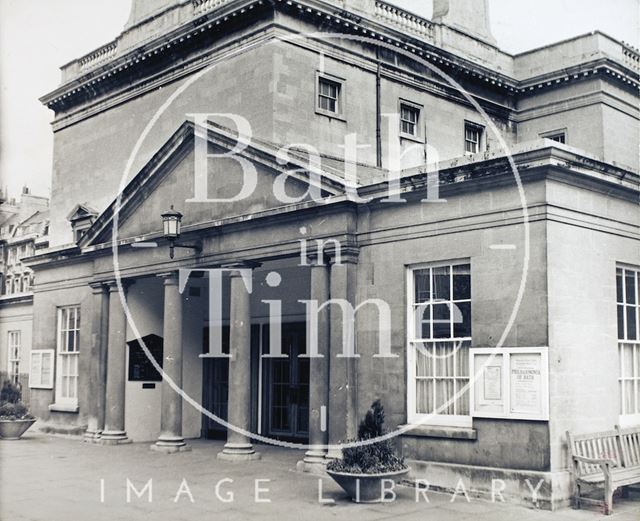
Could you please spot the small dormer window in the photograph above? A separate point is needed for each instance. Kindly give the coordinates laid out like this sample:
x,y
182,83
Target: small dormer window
x,y
81,219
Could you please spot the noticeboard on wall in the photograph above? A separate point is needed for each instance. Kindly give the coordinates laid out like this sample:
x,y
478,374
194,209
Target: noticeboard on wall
x,y
140,367
510,382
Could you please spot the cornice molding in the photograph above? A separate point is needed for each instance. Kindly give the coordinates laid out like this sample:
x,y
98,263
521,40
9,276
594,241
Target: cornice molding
x,y
98,88
537,164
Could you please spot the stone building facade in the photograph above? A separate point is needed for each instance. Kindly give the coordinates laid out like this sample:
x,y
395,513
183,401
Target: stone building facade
x,y
512,297
23,231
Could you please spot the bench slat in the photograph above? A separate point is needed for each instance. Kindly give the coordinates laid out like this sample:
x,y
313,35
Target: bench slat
x,y
602,434
632,443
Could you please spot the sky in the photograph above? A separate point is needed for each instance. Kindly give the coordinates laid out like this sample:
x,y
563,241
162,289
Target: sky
x,y
38,36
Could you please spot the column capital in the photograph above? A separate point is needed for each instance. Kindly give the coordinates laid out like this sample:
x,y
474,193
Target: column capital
x,y
98,288
347,254
113,285
317,259
235,267
169,278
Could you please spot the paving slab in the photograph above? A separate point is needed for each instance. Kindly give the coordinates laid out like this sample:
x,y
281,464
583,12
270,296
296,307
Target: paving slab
x,y
47,478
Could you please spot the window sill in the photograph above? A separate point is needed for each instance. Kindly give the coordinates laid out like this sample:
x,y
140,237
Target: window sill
x,y
57,407
331,115
411,137
435,431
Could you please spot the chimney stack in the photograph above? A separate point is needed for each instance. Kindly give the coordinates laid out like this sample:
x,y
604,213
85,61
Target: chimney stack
x,y
469,16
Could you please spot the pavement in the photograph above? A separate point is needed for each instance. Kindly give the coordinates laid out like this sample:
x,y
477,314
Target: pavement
x,y
46,478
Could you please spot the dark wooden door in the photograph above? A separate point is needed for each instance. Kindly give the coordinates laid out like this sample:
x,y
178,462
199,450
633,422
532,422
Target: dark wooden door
x,y
215,388
286,387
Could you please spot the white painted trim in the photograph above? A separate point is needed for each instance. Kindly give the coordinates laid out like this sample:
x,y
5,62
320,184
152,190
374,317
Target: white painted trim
x,y
444,420
505,403
40,384
60,401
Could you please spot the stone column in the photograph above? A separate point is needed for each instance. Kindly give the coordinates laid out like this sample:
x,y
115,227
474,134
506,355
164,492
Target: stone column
x,y
343,421
171,439
238,446
114,430
97,360
314,459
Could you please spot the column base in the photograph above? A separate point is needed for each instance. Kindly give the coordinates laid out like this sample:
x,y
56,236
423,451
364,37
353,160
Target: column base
x,y
314,462
238,452
92,436
113,438
170,445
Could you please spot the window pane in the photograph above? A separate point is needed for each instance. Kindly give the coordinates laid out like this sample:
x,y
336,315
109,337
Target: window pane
x,y
627,360
631,323
422,286
422,317
444,396
462,319
462,403
441,283
619,291
462,358
629,398
630,287
424,361
445,353
424,396
441,321
409,114
462,282
621,322
408,128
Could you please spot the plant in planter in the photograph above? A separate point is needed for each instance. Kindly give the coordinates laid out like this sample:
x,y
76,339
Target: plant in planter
x,y
14,415
365,469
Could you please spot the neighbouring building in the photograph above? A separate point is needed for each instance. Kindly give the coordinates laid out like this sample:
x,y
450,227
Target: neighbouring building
x,y
512,300
23,231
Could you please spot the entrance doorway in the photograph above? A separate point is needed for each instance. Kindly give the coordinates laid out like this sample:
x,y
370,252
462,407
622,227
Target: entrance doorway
x,y
286,387
279,385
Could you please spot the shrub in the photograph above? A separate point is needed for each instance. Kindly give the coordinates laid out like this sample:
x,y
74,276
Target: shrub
x,y
10,392
11,406
13,411
373,458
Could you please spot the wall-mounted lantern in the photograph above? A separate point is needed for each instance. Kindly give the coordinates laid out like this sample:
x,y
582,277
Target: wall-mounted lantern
x,y
171,227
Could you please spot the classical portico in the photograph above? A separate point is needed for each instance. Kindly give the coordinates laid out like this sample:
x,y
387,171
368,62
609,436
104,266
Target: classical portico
x,y
321,275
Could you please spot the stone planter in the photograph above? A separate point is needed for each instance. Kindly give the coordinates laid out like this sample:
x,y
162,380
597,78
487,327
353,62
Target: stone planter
x,y
365,488
13,429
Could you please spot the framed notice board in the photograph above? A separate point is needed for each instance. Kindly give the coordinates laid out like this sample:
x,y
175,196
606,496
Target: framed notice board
x,y
140,367
510,382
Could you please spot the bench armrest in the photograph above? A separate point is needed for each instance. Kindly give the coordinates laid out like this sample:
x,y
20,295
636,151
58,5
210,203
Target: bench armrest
x,y
595,461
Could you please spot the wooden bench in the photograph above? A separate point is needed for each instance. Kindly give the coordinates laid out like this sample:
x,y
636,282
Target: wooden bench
x,y
606,460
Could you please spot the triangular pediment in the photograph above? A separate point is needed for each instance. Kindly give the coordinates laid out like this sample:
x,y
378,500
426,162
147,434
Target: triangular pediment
x,y
169,178
81,211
